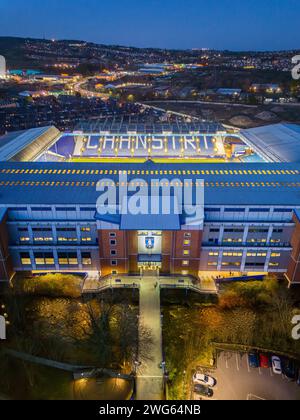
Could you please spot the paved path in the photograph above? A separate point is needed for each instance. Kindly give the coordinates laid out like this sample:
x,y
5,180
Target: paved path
x,y
149,375
206,285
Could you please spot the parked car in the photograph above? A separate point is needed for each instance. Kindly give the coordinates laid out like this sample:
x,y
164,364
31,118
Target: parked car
x,y
206,380
264,361
276,365
289,369
253,360
203,390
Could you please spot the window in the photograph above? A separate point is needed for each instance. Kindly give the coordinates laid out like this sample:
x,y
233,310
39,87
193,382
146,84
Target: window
x,y
66,229
113,242
214,230
231,264
185,263
233,230
43,258
65,208
212,263
235,210
257,210
66,239
258,230
186,242
114,262
85,229
86,258
114,272
113,234
43,239
273,264
283,210
187,235
113,252
275,254
25,258
41,209
213,254
211,209
277,230
24,239
186,252
23,229
86,239
67,258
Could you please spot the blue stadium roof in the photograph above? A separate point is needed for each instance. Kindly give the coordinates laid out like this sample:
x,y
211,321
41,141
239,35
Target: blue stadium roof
x,y
275,143
75,183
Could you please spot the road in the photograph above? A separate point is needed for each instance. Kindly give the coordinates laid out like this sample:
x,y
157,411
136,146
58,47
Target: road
x,y
149,375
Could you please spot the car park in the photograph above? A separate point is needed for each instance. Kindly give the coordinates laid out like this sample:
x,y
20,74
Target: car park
x,y
253,360
276,365
205,380
203,391
264,361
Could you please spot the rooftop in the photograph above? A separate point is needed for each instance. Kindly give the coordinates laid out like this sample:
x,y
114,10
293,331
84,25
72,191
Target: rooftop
x,y
128,124
275,143
75,183
26,144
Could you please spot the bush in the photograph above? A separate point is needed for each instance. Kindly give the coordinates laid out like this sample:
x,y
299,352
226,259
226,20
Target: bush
x,y
250,294
54,285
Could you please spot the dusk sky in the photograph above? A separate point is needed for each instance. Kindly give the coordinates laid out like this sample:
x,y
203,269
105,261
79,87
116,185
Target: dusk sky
x,y
218,24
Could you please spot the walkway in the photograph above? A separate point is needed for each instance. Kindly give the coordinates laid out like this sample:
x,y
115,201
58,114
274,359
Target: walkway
x,y
205,285
150,375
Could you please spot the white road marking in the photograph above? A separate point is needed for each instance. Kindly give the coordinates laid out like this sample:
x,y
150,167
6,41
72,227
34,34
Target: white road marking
x,y
226,363
248,365
252,396
237,362
259,371
271,372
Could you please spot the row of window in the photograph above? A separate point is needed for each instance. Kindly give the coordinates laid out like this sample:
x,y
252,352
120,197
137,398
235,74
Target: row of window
x,y
240,254
238,264
47,258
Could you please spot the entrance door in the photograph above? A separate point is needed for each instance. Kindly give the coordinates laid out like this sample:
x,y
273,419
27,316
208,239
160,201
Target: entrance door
x,y
149,269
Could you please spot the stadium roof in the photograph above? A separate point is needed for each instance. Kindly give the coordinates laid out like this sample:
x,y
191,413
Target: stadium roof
x,y
275,143
27,145
75,183
124,125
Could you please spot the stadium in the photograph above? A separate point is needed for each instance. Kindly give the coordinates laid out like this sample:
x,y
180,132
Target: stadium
x,y
50,183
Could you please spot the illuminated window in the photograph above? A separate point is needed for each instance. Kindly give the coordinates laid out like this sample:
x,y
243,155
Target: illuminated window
x,y
86,258
85,229
275,254
67,258
86,239
25,258
213,254
185,263
186,242
186,252
44,258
